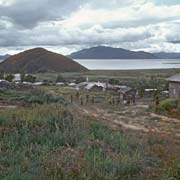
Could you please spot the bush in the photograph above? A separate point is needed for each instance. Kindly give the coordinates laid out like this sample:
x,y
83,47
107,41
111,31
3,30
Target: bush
x,y
60,78
41,97
29,78
169,104
114,81
170,107
9,78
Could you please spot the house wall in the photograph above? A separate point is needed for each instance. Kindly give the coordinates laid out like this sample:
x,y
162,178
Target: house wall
x,y
174,90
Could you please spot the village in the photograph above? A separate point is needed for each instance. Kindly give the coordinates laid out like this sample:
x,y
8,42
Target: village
x,y
108,117
10,80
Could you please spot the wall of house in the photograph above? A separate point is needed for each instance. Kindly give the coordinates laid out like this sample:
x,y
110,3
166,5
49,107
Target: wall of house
x,y
174,90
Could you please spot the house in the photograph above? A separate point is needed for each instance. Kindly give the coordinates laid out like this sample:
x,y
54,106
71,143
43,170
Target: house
x,y
17,78
96,86
81,85
127,90
174,86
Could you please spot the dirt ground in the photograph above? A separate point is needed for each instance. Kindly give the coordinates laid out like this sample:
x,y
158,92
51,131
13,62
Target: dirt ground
x,y
158,135
133,117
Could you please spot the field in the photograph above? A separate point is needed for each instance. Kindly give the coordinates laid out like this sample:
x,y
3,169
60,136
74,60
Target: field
x,y
50,133
104,75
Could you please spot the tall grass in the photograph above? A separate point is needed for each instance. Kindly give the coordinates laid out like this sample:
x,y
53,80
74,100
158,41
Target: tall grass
x,y
47,142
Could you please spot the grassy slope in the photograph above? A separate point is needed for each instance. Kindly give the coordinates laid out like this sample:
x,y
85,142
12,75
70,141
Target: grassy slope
x,y
47,142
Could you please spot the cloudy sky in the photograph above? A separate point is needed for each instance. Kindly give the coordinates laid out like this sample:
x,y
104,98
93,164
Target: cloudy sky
x,y
65,26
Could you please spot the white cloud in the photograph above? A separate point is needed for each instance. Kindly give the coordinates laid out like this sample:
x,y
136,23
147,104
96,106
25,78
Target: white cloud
x,y
72,25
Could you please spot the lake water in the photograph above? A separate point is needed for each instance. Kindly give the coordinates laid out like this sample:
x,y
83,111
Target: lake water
x,y
121,64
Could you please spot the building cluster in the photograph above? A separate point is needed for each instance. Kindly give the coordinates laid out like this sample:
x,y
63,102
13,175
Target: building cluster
x,y
174,86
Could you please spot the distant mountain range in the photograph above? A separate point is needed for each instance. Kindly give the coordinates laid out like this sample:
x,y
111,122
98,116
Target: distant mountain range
x,y
103,52
164,55
39,60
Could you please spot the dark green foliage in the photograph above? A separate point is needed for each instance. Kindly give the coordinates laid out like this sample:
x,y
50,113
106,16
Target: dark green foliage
x,y
9,78
29,78
113,81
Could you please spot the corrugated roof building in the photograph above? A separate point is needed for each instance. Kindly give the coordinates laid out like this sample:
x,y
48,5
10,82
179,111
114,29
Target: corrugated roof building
x,y
174,86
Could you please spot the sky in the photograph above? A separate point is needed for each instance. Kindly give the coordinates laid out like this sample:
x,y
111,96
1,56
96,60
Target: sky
x,y
65,26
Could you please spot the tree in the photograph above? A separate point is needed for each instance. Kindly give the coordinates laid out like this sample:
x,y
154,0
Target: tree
x,y
60,78
22,77
30,78
113,81
9,78
80,79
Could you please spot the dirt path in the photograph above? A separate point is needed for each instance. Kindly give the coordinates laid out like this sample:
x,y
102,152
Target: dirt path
x,y
134,118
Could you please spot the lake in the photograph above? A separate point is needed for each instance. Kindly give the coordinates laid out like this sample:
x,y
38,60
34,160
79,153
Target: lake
x,y
121,64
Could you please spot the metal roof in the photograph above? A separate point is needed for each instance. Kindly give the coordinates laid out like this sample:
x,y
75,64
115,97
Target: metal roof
x,y
175,78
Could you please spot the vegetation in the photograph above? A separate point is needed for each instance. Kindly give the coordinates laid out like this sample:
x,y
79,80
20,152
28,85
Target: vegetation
x,y
60,78
47,137
47,62
9,78
29,78
170,107
47,142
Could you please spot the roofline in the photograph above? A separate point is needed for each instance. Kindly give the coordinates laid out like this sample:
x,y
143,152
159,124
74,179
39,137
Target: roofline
x,y
173,81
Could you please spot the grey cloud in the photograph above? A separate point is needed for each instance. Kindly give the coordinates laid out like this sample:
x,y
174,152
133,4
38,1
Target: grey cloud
x,y
173,36
176,41
27,14
54,36
32,23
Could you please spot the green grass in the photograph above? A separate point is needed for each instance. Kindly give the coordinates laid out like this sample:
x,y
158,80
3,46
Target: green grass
x,y
30,137
29,96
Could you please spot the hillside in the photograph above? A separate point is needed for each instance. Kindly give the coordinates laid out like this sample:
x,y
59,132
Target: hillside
x,y
39,60
3,57
102,52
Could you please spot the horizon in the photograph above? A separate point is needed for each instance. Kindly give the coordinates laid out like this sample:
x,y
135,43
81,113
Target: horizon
x,y
66,27
86,49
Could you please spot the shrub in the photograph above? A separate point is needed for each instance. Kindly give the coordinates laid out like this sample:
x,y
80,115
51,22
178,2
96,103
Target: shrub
x,y
60,78
9,78
169,104
41,97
